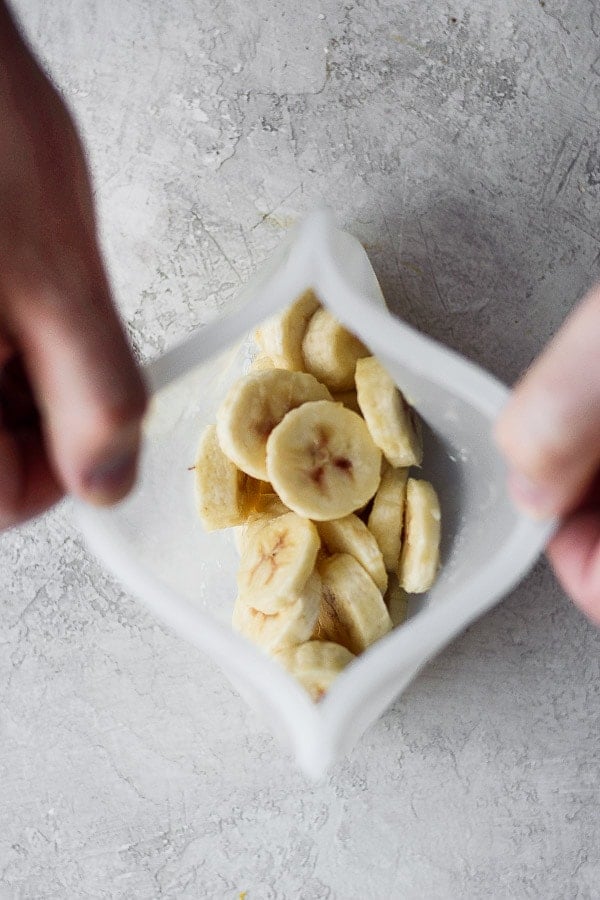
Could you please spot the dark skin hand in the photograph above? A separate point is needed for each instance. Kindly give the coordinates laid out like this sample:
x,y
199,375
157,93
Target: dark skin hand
x,y
71,395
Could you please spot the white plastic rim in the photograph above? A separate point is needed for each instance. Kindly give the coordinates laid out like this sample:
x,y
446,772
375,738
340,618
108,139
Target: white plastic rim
x,y
446,388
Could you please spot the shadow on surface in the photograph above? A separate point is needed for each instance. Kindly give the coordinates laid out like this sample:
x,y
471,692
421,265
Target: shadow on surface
x,y
534,642
474,277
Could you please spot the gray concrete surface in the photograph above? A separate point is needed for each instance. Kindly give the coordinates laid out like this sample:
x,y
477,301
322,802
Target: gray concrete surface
x,y
460,141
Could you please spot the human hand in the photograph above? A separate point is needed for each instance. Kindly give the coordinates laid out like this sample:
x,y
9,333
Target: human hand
x,y
550,435
71,396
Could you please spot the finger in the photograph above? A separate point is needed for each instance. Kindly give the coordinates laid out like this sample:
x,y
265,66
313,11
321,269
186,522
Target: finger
x,y
27,484
11,480
10,464
550,428
86,383
575,556
18,409
41,488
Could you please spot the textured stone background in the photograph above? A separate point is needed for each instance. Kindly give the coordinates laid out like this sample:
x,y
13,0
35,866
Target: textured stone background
x,y
460,141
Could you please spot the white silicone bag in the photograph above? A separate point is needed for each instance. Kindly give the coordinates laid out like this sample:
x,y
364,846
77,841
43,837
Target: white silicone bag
x,y
155,544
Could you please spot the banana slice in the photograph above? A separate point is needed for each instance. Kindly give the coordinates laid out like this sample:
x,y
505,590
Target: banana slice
x,y
352,612
322,462
347,399
245,532
316,665
387,515
397,602
267,507
292,624
277,562
393,424
281,337
224,495
254,491
330,352
253,406
261,362
419,559
351,535
268,503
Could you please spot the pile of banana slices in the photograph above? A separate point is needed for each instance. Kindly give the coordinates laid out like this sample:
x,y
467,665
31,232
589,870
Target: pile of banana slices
x,y
309,463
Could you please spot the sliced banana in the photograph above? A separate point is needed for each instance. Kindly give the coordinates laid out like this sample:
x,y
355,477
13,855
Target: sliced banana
x,y
261,362
277,562
292,624
393,424
281,337
347,399
254,405
396,600
267,507
322,462
254,491
387,515
330,352
419,558
351,535
316,665
352,611
224,495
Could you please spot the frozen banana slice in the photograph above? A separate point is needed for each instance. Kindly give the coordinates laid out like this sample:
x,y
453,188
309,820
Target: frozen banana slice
x,y
330,351
281,337
292,624
267,507
393,424
351,535
261,362
322,462
277,562
316,665
347,399
396,600
387,515
254,405
224,495
352,611
268,502
420,554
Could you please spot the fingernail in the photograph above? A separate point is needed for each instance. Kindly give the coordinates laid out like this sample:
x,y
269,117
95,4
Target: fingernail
x,y
532,498
110,479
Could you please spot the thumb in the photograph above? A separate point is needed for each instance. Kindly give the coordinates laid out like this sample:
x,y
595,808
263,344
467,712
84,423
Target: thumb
x,y
86,382
550,428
